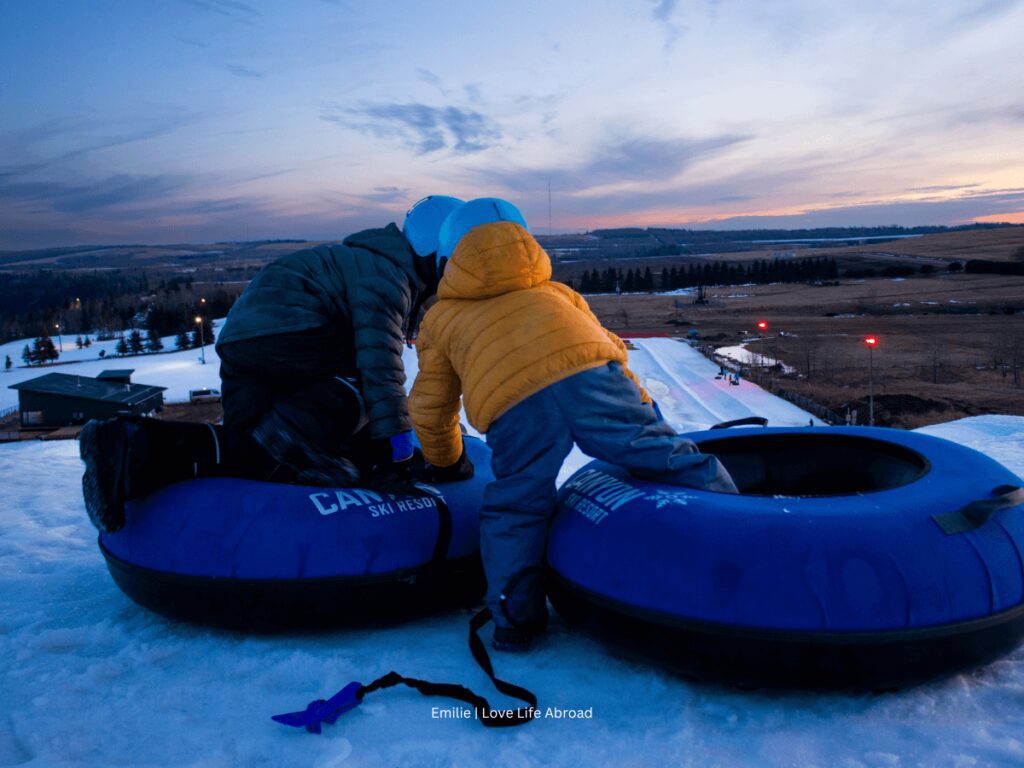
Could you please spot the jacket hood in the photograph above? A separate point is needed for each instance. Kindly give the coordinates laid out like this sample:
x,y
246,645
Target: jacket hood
x,y
494,259
388,243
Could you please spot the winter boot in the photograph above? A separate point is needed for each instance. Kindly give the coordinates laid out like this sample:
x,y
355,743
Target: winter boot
x,y
512,640
103,446
128,457
306,461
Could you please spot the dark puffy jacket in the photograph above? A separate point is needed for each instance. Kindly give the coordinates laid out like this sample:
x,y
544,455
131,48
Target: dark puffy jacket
x,y
365,288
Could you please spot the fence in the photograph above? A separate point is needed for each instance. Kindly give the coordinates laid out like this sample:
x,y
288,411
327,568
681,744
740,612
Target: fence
x,y
819,410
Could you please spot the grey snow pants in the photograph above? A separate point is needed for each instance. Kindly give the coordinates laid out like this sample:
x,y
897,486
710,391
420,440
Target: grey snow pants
x,y
599,410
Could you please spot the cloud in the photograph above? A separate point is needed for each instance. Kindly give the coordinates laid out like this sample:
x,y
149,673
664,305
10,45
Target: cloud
x,y
232,9
938,212
617,161
663,13
421,127
240,70
95,195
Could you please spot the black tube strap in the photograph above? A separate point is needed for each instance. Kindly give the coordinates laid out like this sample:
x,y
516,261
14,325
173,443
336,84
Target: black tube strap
x,y
488,717
759,421
444,527
977,513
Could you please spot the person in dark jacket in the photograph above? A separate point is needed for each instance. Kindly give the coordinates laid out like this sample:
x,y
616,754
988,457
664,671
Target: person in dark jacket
x,y
313,381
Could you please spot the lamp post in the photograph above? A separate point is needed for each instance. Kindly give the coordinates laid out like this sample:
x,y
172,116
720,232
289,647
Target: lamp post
x,y
872,342
60,342
202,339
762,326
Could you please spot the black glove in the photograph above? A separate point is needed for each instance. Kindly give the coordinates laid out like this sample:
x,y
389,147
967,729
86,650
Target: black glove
x,y
460,470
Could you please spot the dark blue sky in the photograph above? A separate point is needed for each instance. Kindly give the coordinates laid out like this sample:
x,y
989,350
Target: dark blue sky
x,y
199,120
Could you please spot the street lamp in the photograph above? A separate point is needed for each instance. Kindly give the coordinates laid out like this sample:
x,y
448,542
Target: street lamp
x,y
202,339
60,342
762,326
872,342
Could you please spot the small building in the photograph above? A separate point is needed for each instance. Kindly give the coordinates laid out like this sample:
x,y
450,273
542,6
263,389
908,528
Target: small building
x,y
60,399
117,375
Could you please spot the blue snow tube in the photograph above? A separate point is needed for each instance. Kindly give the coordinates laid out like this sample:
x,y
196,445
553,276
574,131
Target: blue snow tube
x,y
241,553
852,558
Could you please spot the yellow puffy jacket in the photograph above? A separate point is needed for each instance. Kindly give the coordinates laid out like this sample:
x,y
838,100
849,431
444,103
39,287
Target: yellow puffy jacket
x,y
500,332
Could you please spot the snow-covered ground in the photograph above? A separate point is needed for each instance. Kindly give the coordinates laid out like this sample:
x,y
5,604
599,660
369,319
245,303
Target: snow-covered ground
x,y
88,678
178,371
740,354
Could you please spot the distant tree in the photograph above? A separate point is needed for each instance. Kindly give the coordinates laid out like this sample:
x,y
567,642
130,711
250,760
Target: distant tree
x,y
153,341
182,341
122,346
135,344
955,266
78,342
26,355
7,363
88,342
43,350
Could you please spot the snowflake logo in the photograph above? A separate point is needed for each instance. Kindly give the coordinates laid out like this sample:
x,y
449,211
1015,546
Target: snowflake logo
x,y
664,499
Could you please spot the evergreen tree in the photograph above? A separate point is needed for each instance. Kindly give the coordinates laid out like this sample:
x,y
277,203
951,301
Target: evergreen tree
x,y
43,350
7,363
26,355
153,341
182,341
648,280
78,342
88,342
665,279
135,344
122,346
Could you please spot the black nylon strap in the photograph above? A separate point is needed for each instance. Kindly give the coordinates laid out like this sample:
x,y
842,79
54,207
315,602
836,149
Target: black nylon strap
x,y
977,513
488,717
444,530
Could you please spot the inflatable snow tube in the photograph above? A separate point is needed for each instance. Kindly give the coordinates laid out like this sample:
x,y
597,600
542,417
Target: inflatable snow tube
x,y
247,554
852,558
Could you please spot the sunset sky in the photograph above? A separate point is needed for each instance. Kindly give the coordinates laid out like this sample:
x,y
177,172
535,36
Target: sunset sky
x,y
203,120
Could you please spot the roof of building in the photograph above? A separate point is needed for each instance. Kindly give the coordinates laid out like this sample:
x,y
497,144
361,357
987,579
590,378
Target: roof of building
x,y
116,373
87,388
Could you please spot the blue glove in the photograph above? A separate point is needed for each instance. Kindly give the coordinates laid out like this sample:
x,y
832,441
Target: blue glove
x,y
401,447
657,410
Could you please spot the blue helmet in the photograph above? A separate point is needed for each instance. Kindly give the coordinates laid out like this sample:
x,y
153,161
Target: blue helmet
x,y
483,210
423,223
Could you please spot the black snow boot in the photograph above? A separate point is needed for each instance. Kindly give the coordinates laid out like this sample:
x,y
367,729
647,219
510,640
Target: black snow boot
x,y
103,446
130,457
305,461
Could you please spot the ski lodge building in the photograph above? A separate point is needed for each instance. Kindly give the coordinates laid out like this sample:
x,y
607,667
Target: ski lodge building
x,y
60,399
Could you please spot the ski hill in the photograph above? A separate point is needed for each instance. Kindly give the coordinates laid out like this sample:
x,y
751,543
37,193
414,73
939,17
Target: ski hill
x,y
89,678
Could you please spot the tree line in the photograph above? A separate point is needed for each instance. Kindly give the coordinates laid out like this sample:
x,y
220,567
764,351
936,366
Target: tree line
x,y
612,280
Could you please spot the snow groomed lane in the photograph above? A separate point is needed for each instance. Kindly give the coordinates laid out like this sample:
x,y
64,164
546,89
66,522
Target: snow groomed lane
x,y
683,382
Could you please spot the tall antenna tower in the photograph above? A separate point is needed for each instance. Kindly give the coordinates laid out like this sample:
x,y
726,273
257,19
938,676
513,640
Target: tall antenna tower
x,y
549,207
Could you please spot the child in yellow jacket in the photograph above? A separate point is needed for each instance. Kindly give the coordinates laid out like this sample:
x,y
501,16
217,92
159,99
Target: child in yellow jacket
x,y
537,372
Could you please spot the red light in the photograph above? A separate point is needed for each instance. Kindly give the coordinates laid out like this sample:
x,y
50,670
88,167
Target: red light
x,y
763,325
871,341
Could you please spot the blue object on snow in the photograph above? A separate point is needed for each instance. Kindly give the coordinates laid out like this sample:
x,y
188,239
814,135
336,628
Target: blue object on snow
x,y
483,210
852,556
237,552
321,711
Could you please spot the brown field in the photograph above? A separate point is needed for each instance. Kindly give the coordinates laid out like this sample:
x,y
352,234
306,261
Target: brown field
x,y
994,244
949,345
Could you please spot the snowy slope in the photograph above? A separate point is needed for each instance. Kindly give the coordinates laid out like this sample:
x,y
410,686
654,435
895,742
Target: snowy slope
x,y
178,371
88,678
